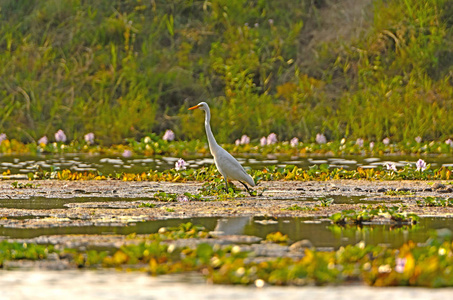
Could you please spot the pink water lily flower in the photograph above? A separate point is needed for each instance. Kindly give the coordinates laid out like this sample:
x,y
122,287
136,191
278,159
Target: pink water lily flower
x,y
245,140
180,164
421,165
127,153
271,139
400,264
294,142
263,141
2,137
391,167
321,138
60,136
89,138
182,198
169,135
43,141
359,142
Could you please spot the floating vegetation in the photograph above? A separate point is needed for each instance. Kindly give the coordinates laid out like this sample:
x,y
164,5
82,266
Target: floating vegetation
x,y
398,193
377,214
434,201
165,197
20,185
16,251
325,202
290,172
182,231
216,188
147,204
153,145
299,208
277,237
427,265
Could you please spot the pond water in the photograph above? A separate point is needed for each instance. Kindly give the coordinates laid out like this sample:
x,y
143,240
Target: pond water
x,y
319,231
23,164
53,203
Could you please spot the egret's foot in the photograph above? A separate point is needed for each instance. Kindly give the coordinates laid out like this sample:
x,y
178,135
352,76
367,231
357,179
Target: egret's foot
x,y
251,192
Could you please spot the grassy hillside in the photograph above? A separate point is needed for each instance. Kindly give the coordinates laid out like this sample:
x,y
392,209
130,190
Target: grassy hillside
x,y
351,68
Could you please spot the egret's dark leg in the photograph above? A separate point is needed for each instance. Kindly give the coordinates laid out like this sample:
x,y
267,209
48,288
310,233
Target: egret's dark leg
x,y
226,184
246,188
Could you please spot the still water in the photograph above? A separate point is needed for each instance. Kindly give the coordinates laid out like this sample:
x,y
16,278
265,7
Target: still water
x,y
23,164
319,231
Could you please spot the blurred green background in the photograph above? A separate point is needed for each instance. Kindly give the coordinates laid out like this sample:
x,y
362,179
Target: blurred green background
x,y
123,69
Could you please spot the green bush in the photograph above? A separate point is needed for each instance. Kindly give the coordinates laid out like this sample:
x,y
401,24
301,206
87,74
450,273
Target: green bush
x,y
124,69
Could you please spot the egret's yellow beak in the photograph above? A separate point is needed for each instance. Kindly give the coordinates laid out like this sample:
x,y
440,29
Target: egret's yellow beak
x,y
194,107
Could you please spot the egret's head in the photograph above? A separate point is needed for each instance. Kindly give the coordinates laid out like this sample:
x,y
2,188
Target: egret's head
x,y
202,105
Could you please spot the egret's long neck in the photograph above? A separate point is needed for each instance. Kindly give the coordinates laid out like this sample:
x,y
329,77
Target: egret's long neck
x,y
211,139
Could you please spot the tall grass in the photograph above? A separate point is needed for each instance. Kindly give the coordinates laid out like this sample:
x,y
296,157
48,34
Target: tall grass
x,y
127,68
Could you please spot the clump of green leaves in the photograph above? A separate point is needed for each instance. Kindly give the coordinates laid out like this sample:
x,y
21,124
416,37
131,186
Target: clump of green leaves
x,y
398,193
325,202
277,237
147,205
16,251
173,197
375,265
182,231
299,208
369,214
165,197
434,201
20,185
216,188
427,265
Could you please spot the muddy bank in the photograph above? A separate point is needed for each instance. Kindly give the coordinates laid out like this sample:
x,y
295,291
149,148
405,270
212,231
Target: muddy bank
x,y
273,189
117,202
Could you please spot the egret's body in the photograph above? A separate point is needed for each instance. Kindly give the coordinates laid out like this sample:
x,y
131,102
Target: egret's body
x,y
227,165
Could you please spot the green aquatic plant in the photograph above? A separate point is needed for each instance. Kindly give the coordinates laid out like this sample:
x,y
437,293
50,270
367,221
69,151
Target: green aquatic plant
x,y
434,201
398,193
266,174
165,197
325,202
426,265
370,213
147,204
17,251
216,188
20,185
182,231
296,207
277,237
153,145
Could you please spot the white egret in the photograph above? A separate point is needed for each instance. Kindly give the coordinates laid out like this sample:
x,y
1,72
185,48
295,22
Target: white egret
x,y
227,165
